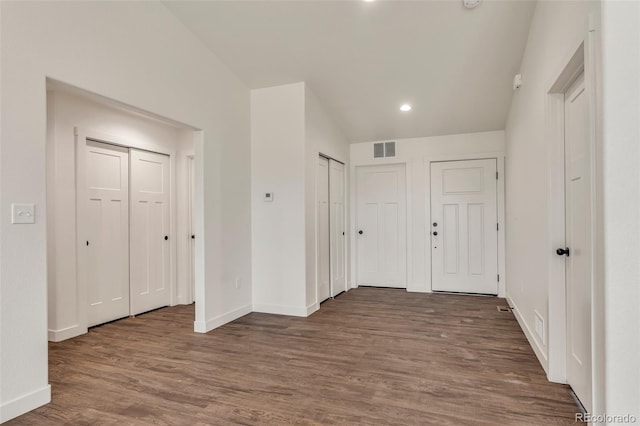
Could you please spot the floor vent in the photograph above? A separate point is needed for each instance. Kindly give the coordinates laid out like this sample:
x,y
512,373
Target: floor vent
x,y
503,309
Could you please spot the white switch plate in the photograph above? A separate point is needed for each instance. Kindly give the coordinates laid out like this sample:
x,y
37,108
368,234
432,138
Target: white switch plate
x,y
268,197
23,213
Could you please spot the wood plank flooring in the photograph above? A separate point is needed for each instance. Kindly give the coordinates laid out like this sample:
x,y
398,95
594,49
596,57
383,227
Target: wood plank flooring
x,y
371,356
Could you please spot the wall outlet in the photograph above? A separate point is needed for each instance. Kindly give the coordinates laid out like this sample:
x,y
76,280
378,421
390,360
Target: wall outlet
x,y
238,283
539,327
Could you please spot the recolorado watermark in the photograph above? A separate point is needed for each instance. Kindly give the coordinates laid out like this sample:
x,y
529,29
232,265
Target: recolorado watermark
x,y
605,418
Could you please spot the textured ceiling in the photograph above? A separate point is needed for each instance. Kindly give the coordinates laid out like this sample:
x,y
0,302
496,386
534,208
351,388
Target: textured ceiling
x,y
364,59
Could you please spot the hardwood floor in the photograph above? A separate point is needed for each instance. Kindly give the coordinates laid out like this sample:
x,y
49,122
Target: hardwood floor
x,y
371,356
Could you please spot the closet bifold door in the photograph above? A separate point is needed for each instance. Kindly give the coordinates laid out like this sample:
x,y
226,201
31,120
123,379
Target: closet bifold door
x,y
337,226
150,239
103,198
323,255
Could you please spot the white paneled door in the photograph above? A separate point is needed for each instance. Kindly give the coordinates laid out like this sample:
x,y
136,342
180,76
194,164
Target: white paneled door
x,y
104,230
381,226
464,234
323,255
337,227
150,248
579,241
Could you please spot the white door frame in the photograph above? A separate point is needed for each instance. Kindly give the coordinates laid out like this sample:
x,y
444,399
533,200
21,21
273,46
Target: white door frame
x,y
354,217
499,157
582,59
81,135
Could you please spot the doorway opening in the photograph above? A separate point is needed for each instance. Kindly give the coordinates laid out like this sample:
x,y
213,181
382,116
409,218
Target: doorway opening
x,y
144,157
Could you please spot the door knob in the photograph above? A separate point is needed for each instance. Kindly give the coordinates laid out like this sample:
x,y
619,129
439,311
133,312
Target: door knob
x,y
193,237
435,233
166,237
360,232
563,251
435,224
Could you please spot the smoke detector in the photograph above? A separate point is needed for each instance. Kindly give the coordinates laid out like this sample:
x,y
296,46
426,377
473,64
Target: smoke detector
x,y
470,4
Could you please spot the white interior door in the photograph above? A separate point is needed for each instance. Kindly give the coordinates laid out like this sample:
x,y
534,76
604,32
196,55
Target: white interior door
x,y
464,233
150,249
381,226
104,230
323,249
337,227
192,235
578,238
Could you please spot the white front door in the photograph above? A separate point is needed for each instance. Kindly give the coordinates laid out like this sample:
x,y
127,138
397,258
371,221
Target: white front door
x,y
464,234
578,238
336,193
104,230
322,212
381,226
150,248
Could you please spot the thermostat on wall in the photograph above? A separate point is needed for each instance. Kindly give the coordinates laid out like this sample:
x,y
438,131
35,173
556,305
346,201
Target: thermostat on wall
x,y
268,197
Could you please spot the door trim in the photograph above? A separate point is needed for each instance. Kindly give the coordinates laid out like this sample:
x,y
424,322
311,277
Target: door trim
x,y
500,205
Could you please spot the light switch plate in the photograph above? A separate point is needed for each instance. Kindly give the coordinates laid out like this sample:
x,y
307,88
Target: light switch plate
x,y
23,213
268,197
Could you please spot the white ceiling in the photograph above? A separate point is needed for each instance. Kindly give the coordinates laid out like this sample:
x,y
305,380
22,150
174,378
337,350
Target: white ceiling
x,y
364,59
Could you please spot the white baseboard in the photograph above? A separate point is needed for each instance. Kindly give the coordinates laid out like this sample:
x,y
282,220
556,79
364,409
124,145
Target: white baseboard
x,y
312,308
66,333
537,349
421,288
210,324
295,311
19,406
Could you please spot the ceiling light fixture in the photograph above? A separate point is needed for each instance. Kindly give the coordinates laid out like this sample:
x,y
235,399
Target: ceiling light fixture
x,y
470,4
368,1
405,108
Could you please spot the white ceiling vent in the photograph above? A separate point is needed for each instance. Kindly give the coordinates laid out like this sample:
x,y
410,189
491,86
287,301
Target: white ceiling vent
x,y
384,149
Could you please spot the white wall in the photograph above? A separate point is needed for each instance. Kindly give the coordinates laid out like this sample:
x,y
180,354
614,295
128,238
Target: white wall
x,y
416,153
158,67
620,205
65,112
278,227
322,136
557,30
289,128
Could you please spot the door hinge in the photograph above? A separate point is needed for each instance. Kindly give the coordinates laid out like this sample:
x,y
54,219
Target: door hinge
x,y
498,277
496,175
497,226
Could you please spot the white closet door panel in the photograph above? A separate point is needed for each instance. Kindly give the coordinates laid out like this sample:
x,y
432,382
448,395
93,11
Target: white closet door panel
x,y
150,248
104,229
337,225
323,249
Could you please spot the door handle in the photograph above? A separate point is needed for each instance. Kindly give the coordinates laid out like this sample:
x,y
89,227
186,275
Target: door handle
x,y
435,233
193,237
360,232
563,251
166,237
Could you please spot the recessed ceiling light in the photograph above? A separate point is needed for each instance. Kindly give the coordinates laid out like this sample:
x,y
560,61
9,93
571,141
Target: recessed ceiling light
x,y
470,4
368,1
405,108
